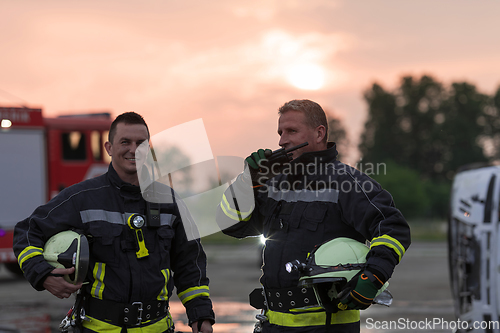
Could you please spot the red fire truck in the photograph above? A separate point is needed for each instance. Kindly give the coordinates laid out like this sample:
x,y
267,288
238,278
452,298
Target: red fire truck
x,y
41,156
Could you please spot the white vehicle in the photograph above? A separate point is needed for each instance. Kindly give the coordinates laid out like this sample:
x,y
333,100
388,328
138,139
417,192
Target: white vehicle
x,y
474,248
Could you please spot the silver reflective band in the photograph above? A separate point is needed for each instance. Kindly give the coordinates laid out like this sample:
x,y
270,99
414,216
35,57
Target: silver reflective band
x,y
97,215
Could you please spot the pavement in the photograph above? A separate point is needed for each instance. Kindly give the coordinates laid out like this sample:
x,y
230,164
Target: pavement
x,y
420,287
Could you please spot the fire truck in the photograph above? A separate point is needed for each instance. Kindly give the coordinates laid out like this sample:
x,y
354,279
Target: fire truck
x,y
40,157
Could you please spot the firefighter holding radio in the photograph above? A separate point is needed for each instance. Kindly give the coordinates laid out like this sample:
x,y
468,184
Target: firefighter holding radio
x,y
123,255
314,199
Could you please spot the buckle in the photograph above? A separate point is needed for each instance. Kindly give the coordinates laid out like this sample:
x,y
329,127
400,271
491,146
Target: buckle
x,y
139,314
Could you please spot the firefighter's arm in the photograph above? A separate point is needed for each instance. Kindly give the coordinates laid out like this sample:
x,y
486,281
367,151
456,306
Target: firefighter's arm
x,y
188,261
371,211
389,237
31,234
28,247
237,214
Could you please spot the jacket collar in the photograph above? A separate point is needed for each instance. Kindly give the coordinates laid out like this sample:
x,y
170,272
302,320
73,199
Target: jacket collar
x,y
328,155
119,183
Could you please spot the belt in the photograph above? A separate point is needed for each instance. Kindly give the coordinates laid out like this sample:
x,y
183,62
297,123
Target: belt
x,y
283,299
125,314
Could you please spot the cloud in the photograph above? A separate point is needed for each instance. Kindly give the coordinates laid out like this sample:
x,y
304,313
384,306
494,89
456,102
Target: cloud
x,y
228,62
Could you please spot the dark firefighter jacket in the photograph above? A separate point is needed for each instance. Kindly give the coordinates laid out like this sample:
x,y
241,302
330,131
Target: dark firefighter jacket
x,y
316,199
99,208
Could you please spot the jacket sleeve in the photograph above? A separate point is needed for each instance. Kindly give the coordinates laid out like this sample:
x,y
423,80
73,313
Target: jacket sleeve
x,y
31,234
189,264
238,214
371,211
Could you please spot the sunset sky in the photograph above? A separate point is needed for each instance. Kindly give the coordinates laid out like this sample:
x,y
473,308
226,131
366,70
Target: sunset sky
x,y
232,62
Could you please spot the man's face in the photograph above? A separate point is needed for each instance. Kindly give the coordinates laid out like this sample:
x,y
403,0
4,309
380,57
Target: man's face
x,y
122,150
293,130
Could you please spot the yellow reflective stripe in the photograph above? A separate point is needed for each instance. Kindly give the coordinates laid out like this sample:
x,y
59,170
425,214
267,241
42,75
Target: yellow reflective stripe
x,y
311,319
163,296
232,213
98,285
304,309
27,253
160,326
390,242
99,326
193,292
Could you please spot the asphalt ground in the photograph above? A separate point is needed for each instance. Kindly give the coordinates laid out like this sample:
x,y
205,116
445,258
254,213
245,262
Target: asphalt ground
x,y
420,287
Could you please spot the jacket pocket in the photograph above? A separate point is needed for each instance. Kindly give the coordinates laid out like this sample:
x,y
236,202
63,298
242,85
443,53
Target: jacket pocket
x,y
166,234
105,242
313,215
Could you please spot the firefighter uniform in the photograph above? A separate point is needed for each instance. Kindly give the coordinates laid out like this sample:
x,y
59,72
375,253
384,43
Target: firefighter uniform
x,y
315,199
130,278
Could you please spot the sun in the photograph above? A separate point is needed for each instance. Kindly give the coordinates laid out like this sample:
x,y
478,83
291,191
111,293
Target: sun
x,y
306,76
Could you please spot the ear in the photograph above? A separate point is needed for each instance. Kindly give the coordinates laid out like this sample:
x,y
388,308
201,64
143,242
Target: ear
x,y
321,132
107,146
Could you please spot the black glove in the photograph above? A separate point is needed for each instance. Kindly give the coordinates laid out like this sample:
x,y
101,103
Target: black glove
x,y
359,292
257,166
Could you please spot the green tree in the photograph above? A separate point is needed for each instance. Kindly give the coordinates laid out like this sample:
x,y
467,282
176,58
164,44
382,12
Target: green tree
x,y
431,129
463,127
491,138
381,126
406,188
338,134
425,127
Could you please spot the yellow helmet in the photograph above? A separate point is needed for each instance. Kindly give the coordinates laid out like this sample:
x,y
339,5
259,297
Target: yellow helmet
x,y
330,266
68,249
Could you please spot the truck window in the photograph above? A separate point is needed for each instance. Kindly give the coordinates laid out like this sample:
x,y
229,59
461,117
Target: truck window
x,y
73,146
106,157
96,145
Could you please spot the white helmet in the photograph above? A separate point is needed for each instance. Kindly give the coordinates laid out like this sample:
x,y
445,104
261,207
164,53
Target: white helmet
x,y
68,249
330,266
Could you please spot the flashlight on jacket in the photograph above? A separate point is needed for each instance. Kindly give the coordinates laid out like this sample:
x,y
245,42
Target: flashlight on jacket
x,y
136,222
295,265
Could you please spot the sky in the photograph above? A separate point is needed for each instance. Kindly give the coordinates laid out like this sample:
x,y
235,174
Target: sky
x,y
232,63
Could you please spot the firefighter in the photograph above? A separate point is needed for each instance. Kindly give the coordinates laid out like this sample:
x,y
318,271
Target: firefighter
x,y
313,199
138,249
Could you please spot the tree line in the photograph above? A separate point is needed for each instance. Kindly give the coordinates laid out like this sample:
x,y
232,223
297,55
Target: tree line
x,y
425,131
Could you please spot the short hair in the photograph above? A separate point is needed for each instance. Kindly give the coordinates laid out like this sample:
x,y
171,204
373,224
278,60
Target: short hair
x,y
315,116
130,118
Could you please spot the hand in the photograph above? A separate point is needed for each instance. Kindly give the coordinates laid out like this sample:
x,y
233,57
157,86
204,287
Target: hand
x,y
255,159
255,163
205,327
359,292
59,287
